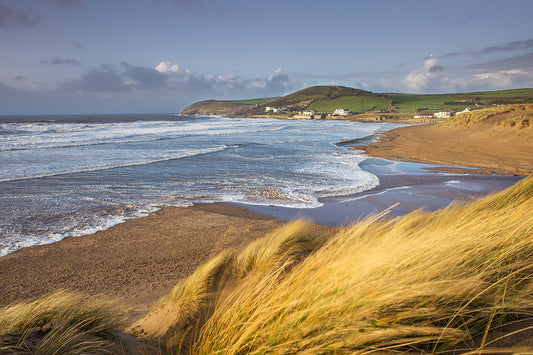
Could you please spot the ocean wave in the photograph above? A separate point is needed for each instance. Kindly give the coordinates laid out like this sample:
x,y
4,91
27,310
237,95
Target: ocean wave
x,y
40,136
114,166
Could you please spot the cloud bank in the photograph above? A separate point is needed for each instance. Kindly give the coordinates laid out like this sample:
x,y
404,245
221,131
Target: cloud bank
x,y
167,87
171,77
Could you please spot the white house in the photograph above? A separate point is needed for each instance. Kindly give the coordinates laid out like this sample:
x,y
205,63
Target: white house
x,y
443,114
275,109
341,112
309,113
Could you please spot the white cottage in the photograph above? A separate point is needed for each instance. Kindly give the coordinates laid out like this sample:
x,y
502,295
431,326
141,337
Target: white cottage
x,y
341,112
443,114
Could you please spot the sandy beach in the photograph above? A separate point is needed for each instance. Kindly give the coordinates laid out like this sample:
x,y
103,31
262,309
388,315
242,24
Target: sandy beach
x,y
492,149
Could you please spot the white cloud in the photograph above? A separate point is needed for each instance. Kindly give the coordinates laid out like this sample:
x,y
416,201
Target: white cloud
x,y
429,77
505,78
167,68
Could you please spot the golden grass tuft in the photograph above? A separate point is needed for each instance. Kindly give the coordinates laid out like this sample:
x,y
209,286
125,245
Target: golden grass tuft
x,y
522,121
458,278
60,323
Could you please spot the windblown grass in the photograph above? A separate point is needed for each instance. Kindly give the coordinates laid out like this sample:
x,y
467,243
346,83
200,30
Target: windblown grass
x,y
522,121
451,279
481,115
60,323
179,314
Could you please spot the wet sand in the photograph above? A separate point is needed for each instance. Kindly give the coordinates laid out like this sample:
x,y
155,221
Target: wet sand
x,y
135,262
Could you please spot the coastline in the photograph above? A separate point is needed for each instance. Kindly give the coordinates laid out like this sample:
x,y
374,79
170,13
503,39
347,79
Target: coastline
x,y
140,260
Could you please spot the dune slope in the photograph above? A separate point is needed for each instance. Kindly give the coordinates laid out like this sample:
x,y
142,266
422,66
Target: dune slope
x,y
459,278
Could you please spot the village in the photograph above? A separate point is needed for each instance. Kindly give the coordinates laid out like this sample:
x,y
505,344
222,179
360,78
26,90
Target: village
x,y
344,112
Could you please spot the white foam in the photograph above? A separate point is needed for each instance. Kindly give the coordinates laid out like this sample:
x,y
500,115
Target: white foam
x,y
12,244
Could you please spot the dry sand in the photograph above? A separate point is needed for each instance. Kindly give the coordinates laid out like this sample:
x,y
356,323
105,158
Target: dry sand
x,y
497,149
138,261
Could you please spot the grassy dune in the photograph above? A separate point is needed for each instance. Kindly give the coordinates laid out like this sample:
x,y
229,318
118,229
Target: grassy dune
x,y
519,116
455,279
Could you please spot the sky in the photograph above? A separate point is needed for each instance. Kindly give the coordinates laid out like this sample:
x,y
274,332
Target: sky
x,y
159,56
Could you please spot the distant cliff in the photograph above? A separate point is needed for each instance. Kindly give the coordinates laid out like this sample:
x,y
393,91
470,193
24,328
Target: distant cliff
x,y
214,107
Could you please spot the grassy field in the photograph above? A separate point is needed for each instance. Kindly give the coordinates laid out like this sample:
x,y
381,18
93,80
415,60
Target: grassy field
x,y
353,103
412,102
459,279
459,101
253,102
505,96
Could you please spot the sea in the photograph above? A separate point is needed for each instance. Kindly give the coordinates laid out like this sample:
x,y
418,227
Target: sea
x,y
74,175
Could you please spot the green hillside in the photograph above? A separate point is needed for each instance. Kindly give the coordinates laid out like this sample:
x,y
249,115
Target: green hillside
x,y
253,102
325,99
305,97
412,102
214,107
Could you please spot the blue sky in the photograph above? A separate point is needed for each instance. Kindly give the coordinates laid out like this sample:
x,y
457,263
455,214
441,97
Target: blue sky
x,y
158,56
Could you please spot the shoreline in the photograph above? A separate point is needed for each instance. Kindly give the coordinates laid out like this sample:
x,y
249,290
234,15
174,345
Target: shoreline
x,y
419,186
137,261
142,259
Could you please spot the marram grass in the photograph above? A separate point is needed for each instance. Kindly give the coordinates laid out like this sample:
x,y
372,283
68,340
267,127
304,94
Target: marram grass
x,y
60,323
450,280
478,116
